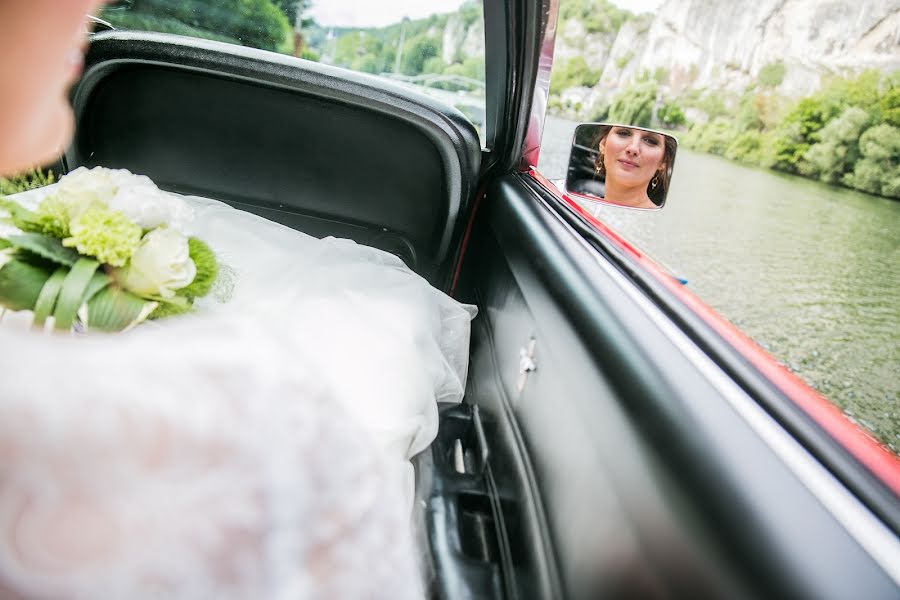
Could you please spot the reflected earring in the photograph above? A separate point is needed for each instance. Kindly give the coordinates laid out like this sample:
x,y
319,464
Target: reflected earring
x,y
655,181
599,168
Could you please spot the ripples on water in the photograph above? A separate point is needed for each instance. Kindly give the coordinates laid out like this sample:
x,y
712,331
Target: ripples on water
x,y
810,271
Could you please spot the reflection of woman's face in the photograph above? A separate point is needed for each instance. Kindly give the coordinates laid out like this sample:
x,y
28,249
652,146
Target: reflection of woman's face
x,y
632,156
41,42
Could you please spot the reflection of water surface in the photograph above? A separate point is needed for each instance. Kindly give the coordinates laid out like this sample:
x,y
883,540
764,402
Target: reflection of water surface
x,y
811,272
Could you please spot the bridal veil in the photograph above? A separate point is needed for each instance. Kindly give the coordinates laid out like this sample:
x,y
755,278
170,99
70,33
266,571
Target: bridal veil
x,y
256,449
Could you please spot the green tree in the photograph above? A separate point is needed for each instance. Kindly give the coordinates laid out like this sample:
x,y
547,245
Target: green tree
x,y
709,102
634,105
310,54
471,12
864,90
435,65
671,115
789,147
772,74
878,172
837,152
598,16
255,23
769,109
148,22
660,74
295,11
713,105
360,51
624,60
367,63
572,73
848,132
600,111
472,67
713,137
747,147
889,106
799,130
416,51
748,117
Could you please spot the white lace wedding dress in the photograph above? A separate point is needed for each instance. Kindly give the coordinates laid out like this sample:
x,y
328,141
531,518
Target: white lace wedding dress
x,y
256,449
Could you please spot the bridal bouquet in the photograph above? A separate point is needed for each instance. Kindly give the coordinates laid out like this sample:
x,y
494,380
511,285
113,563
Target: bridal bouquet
x,y
104,250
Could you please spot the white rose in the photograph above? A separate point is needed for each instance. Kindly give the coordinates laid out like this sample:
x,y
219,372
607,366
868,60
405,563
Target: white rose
x,y
151,207
135,196
82,189
142,202
160,265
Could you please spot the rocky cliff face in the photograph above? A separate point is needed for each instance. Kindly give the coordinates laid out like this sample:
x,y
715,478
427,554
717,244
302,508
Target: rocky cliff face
x,y
726,44
722,44
573,40
460,40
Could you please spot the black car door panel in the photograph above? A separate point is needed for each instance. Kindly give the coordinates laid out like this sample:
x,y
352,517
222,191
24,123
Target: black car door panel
x,y
320,149
619,458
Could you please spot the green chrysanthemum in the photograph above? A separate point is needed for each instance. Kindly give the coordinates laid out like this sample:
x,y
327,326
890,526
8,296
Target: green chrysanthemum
x,y
51,218
106,234
207,270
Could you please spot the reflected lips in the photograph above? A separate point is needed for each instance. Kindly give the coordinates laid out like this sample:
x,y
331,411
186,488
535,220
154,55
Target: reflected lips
x,y
628,164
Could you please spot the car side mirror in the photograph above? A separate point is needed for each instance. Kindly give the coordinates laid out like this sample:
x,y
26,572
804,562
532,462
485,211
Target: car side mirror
x,y
621,165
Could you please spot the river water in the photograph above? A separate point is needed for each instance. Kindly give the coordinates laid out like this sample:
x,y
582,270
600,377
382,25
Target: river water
x,y
809,271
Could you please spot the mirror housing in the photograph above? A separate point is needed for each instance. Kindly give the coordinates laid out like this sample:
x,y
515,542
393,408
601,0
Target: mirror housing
x,y
621,165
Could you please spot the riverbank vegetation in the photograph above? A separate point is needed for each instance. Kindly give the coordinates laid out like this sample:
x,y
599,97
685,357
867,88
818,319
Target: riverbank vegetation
x,y
847,133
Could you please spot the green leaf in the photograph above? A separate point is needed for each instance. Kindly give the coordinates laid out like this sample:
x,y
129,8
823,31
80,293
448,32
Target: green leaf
x,y
20,216
14,208
176,301
99,281
114,309
21,284
28,180
4,244
47,298
72,293
46,247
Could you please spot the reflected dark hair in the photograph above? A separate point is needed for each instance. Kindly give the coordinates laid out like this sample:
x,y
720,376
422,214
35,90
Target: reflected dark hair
x,y
657,194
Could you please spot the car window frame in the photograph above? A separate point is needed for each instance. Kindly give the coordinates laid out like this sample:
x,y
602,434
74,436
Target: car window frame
x,y
857,460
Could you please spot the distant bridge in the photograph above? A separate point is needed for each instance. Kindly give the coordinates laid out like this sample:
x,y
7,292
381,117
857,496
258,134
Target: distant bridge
x,y
470,102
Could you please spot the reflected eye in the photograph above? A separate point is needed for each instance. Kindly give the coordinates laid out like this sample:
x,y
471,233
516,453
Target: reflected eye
x,y
651,141
623,133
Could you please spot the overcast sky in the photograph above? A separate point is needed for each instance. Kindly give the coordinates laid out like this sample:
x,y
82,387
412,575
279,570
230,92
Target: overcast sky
x,y
369,13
